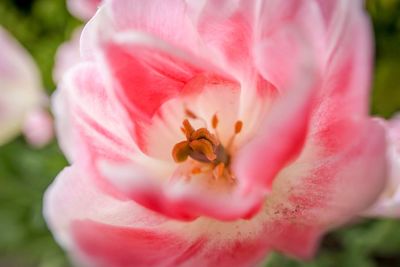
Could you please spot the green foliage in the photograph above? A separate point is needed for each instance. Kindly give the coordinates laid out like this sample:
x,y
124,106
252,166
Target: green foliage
x,y
24,175
386,21
42,25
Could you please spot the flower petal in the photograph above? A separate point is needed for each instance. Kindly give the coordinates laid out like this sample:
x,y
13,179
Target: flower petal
x,y
147,78
343,90
318,189
77,211
80,103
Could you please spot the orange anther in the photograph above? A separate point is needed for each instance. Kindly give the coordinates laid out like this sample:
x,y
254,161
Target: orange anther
x,y
214,121
181,151
219,170
238,126
196,170
190,114
187,128
204,147
203,133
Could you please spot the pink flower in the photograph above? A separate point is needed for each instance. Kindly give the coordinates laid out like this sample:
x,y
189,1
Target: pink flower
x,y
38,127
388,204
83,9
21,94
208,133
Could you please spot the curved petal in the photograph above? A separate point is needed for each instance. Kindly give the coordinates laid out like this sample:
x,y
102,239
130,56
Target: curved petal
x,y
318,188
282,132
176,198
343,90
77,211
146,78
81,102
145,70
164,20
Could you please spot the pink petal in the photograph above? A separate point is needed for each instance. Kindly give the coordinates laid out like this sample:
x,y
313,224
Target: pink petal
x,y
164,20
77,122
137,247
344,151
318,188
227,31
77,211
147,78
343,91
75,197
80,104
132,236
279,140
179,199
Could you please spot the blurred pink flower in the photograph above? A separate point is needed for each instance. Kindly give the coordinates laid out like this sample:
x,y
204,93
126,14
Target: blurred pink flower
x,y
38,127
21,93
83,9
208,133
388,205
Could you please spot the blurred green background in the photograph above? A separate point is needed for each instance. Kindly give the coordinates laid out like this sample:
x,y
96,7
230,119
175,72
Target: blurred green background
x,y
42,25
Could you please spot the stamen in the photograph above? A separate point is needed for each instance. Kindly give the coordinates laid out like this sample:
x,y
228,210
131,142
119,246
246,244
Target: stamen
x,y
190,114
214,121
203,133
218,171
200,145
238,126
196,170
181,151
203,147
238,129
187,129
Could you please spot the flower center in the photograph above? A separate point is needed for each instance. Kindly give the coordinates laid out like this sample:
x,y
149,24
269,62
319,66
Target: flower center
x,y
204,147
